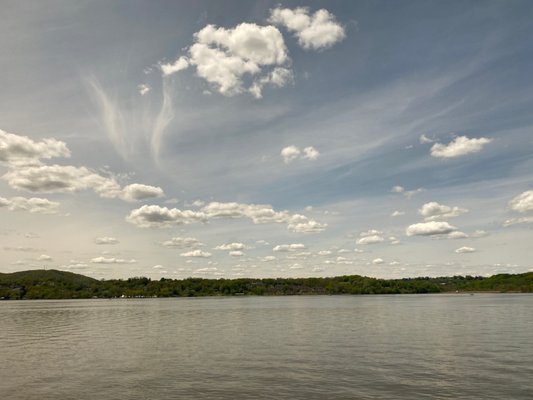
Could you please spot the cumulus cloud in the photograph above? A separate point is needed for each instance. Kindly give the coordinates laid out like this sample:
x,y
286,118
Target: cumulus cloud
x,y
17,149
231,246
156,216
106,240
457,235
70,179
394,241
429,228
397,213
196,253
310,153
434,211
153,216
324,253
171,68
143,89
44,257
289,247
137,191
291,153
112,260
182,242
314,31
407,193
523,202
263,214
224,57
465,249
32,205
378,261
372,236
460,146
236,253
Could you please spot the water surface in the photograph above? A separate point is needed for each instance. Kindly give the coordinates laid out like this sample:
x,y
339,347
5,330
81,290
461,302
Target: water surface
x,y
301,347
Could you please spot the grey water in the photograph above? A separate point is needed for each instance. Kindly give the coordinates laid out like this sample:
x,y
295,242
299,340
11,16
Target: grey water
x,y
301,347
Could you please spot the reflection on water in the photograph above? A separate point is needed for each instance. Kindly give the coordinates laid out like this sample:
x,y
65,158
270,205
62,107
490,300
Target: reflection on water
x,y
352,347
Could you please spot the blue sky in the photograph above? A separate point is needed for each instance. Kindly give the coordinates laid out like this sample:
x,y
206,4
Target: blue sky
x,y
266,139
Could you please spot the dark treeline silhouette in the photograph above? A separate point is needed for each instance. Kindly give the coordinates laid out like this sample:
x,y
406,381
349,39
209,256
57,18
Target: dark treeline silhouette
x,y
53,284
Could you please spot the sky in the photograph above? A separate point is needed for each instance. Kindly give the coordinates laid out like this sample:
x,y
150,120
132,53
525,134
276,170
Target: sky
x,y
265,139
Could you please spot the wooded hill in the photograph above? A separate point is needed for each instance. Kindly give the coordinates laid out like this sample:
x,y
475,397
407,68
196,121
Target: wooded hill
x,y
53,284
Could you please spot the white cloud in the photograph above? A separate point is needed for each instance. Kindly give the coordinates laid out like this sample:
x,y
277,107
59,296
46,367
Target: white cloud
x,y
457,235
378,261
424,139
231,246
515,221
208,271
434,211
289,247
152,216
106,240
397,213
182,242
156,216
314,31
373,239
137,191
16,149
143,89
394,241
523,202
291,153
465,249
458,147
196,253
268,259
263,214
310,153
279,77
224,57
398,189
296,266
236,253
429,228
407,193
32,205
112,260
171,68
44,257
324,253
371,236
70,179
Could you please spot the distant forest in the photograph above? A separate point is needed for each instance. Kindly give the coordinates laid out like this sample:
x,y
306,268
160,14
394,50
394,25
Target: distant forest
x,y
53,284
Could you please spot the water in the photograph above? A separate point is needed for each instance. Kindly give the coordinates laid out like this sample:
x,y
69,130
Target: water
x,y
322,347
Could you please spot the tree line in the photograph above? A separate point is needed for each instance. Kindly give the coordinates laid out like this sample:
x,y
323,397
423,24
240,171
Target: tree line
x,y
53,284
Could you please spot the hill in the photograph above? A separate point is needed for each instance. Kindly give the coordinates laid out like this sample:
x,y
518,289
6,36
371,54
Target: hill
x,y
53,284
